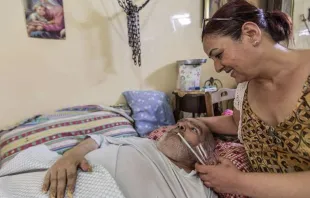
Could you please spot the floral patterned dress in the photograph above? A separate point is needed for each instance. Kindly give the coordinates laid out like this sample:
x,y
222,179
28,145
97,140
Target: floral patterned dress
x,y
281,149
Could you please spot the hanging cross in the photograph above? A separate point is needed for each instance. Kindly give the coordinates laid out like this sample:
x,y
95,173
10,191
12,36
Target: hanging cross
x,y
133,25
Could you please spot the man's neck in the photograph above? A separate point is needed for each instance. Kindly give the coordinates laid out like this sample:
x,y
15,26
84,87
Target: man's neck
x,y
186,167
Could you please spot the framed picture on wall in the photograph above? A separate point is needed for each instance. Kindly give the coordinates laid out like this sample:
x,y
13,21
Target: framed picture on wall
x,y
211,6
45,19
286,6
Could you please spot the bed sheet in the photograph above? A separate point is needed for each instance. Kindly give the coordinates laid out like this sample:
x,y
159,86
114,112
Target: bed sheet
x,y
23,177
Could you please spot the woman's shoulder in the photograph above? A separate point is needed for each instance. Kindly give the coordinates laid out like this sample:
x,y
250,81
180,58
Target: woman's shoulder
x,y
305,54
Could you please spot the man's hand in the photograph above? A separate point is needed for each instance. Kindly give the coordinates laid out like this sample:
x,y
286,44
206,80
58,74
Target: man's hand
x,y
63,174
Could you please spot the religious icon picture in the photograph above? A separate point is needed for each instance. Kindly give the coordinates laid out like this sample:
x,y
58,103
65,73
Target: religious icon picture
x,y
211,6
45,19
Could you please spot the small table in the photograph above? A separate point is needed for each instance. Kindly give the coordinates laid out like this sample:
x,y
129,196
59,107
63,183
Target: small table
x,y
195,102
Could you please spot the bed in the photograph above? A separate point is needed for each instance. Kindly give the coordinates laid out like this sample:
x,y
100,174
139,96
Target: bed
x,y
148,115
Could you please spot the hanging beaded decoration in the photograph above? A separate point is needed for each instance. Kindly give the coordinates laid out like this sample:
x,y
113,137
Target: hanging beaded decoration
x,y
133,25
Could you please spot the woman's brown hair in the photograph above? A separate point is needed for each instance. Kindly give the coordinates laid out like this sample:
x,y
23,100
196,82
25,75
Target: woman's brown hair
x,y
276,23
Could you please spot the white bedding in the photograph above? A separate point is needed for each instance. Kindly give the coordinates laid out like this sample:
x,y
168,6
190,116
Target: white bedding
x,y
23,177
122,167
142,171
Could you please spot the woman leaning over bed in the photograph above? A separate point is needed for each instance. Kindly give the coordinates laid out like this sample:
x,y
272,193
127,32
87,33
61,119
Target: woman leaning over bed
x,y
273,98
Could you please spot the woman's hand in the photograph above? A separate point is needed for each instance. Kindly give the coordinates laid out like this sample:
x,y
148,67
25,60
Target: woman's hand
x,y
63,174
223,178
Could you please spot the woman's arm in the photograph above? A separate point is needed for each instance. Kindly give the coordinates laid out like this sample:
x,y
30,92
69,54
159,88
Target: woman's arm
x,y
223,124
226,178
267,185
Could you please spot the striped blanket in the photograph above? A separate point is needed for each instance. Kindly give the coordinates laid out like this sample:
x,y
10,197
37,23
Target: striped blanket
x,y
64,128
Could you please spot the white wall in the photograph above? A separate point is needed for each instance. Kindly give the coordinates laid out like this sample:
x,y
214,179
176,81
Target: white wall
x,y
301,34
93,65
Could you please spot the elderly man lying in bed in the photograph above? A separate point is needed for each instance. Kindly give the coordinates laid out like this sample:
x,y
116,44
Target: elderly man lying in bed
x,y
141,167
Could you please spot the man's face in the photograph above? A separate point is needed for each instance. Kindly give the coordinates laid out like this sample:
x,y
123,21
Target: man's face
x,y
170,144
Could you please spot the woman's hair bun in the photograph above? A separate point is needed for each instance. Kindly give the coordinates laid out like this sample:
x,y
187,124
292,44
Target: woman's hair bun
x,y
280,26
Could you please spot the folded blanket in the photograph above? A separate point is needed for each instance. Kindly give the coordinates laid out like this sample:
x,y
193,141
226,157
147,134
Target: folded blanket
x,y
23,177
63,129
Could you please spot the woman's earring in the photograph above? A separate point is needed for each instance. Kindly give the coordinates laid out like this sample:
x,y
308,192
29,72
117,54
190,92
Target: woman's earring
x,y
255,44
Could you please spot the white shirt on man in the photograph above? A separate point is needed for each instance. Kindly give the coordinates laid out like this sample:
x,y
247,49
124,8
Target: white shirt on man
x,y
141,170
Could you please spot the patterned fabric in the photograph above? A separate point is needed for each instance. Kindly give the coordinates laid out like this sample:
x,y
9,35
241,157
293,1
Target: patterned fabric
x,y
133,25
235,152
61,130
157,133
189,76
123,107
62,114
227,112
281,149
58,114
36,160
151,109
238,102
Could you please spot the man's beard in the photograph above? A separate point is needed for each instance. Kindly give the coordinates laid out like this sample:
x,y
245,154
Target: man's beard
x,y
172,146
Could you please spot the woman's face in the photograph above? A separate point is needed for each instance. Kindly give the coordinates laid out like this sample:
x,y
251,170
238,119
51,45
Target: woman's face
x,y
237,58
